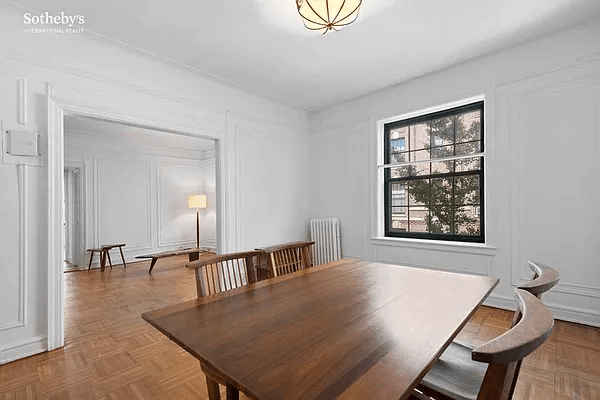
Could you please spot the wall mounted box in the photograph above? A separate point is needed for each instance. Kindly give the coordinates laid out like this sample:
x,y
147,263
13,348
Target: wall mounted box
x,y
22,143
20,146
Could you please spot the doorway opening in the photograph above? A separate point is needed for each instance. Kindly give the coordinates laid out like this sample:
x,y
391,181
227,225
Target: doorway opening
x,y
130,185
72,218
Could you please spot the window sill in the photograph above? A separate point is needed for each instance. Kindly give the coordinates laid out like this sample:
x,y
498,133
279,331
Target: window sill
x,y
436,245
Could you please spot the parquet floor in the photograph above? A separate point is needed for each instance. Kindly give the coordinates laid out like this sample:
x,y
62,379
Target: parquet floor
x,y
111,353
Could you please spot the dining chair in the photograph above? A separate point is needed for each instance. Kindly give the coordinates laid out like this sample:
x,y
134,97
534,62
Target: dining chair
x,y
489,371
216,274
219,273
287,258
544,279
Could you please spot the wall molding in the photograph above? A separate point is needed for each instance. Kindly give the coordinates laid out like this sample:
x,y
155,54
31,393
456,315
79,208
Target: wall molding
x,y
200,108
150,150
159,177
432,267
561,312
96,204
446,247
23,348
584,72
23,250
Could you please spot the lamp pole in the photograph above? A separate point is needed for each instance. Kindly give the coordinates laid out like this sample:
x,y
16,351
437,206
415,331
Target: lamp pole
x,y
198,228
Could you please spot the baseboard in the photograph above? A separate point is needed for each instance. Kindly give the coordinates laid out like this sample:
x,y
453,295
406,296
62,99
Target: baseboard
x,y
23,348
563,313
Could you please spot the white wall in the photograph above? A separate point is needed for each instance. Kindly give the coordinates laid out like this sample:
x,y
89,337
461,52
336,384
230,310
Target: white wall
x,y
542,107
136,193
98,77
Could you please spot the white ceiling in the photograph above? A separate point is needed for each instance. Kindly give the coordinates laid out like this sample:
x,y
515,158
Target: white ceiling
x,y
261,45
134,134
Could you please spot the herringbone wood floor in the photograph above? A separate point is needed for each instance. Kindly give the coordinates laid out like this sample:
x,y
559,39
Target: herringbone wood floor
x,y
111,353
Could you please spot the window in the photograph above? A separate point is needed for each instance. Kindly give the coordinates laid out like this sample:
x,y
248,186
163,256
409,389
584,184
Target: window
x,y
433,175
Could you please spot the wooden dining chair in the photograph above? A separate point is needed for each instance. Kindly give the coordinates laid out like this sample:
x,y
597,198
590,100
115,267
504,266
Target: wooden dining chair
x,y
544,279
287,258
216,274
223,272
489,371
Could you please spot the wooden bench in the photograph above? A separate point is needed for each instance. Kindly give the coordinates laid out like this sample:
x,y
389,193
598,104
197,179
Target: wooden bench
x,y
104,254
193,254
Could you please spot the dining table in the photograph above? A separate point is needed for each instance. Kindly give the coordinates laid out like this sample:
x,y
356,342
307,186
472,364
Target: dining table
x,y
347,330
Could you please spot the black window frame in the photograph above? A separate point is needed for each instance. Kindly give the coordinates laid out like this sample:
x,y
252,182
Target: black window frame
x,y
388,180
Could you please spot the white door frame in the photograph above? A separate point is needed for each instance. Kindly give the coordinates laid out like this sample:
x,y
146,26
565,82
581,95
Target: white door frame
x,y
79,232
105,109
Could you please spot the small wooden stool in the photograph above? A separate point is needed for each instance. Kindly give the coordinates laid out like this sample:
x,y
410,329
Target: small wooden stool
x,y
102,258
104,254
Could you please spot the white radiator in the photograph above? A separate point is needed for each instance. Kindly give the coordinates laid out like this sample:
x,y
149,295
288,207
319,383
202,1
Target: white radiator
x,y
325,232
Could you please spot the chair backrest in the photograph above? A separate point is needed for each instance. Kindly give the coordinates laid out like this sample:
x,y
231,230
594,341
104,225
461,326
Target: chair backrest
x,y
505,353
224,272
544,279
289,257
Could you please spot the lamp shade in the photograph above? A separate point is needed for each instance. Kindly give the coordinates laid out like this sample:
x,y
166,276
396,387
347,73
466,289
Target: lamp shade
x,y
197,201
326,15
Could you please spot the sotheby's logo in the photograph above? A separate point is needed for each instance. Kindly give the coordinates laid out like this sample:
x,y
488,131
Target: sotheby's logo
x,y
48,23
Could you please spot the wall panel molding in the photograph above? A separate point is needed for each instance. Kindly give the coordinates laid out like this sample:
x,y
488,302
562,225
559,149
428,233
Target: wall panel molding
x,y
161,242
22,348
23,250
581,74
96,204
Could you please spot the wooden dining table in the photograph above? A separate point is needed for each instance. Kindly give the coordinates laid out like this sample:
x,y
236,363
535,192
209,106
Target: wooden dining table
x,y
348,330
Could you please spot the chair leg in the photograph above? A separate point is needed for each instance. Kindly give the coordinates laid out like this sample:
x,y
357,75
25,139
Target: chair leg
x,y
109,260
91,257
213,389
122,258
232,392
102,260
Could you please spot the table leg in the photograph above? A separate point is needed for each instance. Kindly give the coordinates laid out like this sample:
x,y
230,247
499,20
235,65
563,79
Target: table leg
x,y
108,255
232,392
122,258
152,265
194,256
213,389
91,257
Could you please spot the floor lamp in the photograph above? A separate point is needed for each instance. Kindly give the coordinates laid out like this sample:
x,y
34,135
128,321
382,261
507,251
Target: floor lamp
x,y
197,201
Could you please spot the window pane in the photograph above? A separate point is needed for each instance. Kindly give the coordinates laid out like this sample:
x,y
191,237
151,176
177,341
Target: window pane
x,y
441,191
398,133
466,190
444,151
421,168
442,167
398,146
399,223
468,127
468,164
418,192
442,131
440,220
399,172
464,149
398,194
419,137
418,219
399,211
467,221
